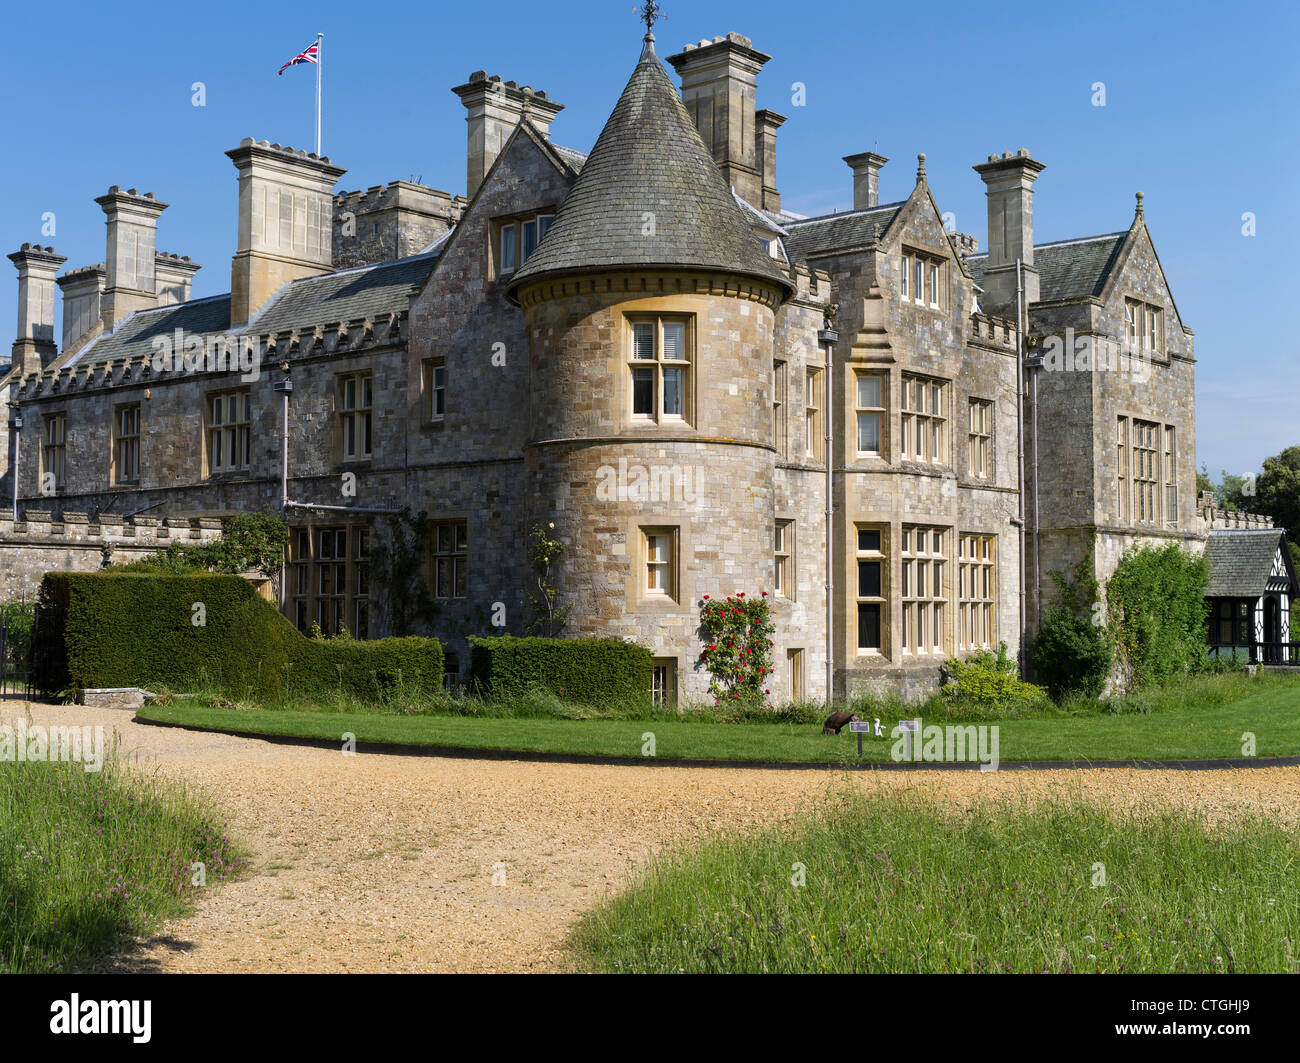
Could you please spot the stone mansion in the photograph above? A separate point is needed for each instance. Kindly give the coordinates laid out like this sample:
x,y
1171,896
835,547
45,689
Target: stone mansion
x,y
702,392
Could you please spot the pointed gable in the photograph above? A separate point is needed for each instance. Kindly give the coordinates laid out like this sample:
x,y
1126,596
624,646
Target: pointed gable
x,y
650,195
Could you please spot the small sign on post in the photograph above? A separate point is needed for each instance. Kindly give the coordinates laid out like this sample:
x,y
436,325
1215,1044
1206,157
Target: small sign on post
x,y
909,728
859,727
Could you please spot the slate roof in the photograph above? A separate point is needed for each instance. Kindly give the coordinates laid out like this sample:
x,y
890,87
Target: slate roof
x,y
835,233
1067,269
369,291
649,159
1240,561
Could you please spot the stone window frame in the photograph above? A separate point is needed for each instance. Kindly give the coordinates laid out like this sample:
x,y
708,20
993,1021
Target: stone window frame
x,y
518,229
1144,326
781,408
1146,447
924,418
871,604
977,591
979,439
310,560
449,559
660,366
879,412
1169,466
432,390
814,404
241,429
126,444
54,451
649,564
923,590
924,278
1122,492
797,673
356,421
783,555
663,682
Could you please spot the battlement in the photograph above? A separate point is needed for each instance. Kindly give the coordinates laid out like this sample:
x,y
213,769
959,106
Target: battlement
x,y
337,337
405,195
990,330
1213,517
809,284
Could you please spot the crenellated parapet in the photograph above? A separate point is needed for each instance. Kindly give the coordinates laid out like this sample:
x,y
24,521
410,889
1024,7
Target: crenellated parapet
x,y
337,338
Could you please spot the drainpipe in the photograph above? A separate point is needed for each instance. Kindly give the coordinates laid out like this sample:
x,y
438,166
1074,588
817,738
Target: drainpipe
x,y
1038,553
16,426
828,337
1020,446
285,387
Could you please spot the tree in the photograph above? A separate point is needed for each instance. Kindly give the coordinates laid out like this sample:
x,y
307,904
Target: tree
x,y
1277,492
398,564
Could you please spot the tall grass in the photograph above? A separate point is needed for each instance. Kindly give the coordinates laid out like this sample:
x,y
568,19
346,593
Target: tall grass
x,y
894,883
87,860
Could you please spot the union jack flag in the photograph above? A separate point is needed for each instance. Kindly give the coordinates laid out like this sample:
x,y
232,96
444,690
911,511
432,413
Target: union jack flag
x,y
310,54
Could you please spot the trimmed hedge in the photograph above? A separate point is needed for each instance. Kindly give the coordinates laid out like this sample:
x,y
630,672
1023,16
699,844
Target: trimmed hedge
x,y
114,629
586,671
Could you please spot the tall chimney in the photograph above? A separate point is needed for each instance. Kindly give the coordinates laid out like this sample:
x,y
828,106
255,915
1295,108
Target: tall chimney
x,y
175,275
83,292
1010,180
286,211
495,108
766,125
719,84
34,346
132,223
866,178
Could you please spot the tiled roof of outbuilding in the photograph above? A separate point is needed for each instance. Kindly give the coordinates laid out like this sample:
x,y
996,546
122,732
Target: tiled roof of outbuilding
x,y
1067,269
649,167
1241,560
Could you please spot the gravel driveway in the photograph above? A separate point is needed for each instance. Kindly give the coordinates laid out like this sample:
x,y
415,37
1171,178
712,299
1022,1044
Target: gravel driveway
x,y
387,863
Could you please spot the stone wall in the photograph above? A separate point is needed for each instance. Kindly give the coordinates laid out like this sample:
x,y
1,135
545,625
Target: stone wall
x,y
71,542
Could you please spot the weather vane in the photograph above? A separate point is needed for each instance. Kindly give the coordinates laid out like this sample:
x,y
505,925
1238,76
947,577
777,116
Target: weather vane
x,y
650,14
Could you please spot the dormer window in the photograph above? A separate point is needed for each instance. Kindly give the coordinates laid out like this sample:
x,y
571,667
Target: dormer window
x,y
518,239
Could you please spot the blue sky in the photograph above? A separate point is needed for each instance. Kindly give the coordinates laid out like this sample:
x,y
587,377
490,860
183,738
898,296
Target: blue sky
x,y
1200,113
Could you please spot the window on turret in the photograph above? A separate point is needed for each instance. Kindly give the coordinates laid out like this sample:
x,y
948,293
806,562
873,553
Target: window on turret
x,y
660,366
659,550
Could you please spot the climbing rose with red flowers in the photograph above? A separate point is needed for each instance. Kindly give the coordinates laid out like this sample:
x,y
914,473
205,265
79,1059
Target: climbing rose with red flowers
x,y
737,636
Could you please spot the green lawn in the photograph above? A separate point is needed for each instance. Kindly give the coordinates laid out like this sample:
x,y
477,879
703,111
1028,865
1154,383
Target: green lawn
x,y
1270,711
891,883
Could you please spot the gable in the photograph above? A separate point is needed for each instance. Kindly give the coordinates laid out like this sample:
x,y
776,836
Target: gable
x,y
1246,563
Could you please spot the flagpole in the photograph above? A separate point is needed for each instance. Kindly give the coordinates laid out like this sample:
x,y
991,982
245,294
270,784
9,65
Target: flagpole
x,y
320,62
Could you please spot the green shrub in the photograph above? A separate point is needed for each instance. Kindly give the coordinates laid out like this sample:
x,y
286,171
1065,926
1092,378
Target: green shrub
x,y
118,628
988,685
586,671
1070,655
1156,607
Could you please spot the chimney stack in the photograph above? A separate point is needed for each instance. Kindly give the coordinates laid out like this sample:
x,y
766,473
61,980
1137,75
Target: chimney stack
x,y
766,125
495,107
719,85
34,346
132,222
866,178
175,275
1010,180
83,292
286,212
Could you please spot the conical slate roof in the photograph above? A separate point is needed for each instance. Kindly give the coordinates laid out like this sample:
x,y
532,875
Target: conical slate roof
x,y
649,165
